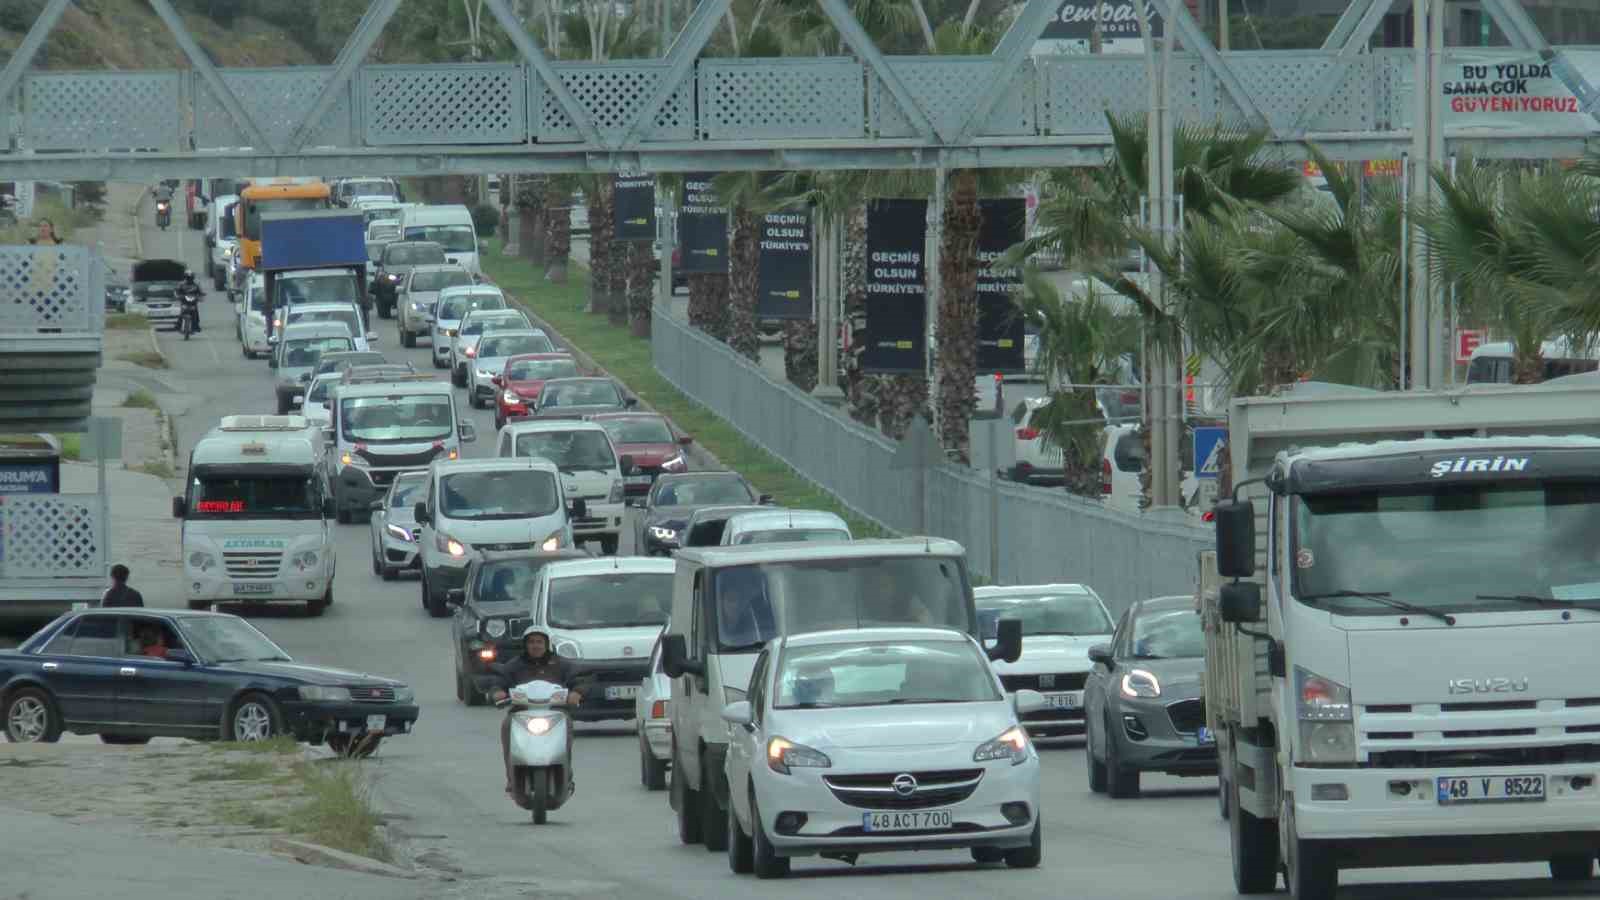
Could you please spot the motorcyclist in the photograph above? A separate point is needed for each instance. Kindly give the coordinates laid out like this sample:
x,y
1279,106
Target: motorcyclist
x,y
189,295
163,195
538,662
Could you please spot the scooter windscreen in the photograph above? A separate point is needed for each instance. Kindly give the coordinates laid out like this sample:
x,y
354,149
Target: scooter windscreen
x,y
538,693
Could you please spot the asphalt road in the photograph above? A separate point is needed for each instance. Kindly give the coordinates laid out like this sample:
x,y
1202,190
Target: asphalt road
x,y
445,781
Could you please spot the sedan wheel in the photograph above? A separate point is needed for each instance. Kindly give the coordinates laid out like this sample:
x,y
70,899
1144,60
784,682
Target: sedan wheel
x,y
253,719
31,718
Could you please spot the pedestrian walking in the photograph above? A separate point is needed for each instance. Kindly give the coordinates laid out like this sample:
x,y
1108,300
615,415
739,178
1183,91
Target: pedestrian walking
x,y
119,594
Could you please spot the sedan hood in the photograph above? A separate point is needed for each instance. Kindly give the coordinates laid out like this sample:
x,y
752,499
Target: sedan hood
x,y
1042,653
879,728
648,454
611,643
309,674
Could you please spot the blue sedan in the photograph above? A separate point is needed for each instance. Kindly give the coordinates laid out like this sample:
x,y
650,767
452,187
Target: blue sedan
x,y
132,674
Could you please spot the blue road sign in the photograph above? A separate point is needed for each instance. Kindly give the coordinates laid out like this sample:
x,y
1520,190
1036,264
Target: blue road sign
x,y
1208,444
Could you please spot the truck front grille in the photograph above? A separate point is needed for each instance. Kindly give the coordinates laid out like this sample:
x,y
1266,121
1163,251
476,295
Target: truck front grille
x,y
1479,733
252,565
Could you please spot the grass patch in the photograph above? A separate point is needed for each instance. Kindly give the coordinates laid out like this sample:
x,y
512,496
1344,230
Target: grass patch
x,y
71,446
628,359
147,358
126,322
246,770
250,815
339,812
72,225
283,743
160,468
141,399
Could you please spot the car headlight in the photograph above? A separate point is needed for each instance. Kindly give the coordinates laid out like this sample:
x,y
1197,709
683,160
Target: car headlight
x,y
403,694
495,628
418,306
1141,683
1012,743
540,725
551,543
510,398
328,694
398,533
201,560
447,544
470,352
675,464
1327,727
306,560
569,648
617,489
784,754
663,534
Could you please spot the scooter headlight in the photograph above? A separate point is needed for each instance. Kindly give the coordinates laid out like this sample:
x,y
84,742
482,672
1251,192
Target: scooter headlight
x,y
539,725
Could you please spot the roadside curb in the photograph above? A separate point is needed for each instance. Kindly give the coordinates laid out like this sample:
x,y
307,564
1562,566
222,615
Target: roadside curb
x,y
318,855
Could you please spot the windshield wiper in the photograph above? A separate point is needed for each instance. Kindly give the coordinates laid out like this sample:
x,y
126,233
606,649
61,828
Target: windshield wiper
x,y
743,648
920,700
1536,599
1383,598
273,659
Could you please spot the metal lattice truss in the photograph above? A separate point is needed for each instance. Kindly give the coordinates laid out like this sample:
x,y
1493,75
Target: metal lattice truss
x,y
687,113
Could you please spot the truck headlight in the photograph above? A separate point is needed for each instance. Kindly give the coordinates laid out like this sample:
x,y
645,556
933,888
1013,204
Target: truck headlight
x,y
1141,683
306,560
1011,744
1327,723
201,560
320,692
617,489
551,543
495,628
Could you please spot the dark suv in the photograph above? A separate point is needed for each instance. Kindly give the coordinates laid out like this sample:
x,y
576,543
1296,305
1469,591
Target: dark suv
x,y
491,611
396,262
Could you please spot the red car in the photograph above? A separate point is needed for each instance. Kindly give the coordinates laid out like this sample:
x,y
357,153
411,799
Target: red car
x,y
652,443
523,377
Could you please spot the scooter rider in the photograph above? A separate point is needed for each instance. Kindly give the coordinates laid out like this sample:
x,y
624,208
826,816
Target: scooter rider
x,y
538,662
189,295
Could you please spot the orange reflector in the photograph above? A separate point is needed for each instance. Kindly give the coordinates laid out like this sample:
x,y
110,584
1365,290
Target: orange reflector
x,y
658,709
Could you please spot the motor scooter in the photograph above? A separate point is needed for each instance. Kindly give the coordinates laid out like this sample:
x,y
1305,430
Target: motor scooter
x,y
163,214
539,746
188,312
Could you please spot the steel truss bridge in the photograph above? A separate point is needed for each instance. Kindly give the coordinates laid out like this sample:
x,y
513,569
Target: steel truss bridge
x,y
685,112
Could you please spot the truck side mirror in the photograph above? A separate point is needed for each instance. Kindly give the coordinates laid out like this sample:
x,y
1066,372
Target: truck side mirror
x,y
455,597
468,433
420,512
1240,602
1236,538
177,507
1008,641
626,462
675,659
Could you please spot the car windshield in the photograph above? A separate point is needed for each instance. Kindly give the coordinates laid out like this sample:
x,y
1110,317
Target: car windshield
x,y
583,393
828,594
303,353
518,494
412,256
376,187
258,298
612,600
571,451
426,282
1045,612
383,232
1168,634
319,289
456,308
883,674
419,417
793,535
453,238
230,497
541,370
499,346
1422,546
715,491
638,431
477,324
223,639
406,492
507,581
349,317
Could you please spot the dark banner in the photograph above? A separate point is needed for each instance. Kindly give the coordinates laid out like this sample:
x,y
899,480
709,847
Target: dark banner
x,y
30,477
702,227
897,287
1074,21
1000,331
783,282
635,208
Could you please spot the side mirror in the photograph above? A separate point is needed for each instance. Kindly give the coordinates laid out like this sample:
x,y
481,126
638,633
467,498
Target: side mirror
x,y
306,378
420,512
1101,653
496,380
1008,641
1240,602
468,433
675,659
179,655
764,500
330,508
177,507
630,402
626,462
272,340
685,440
635,502
376,505
1236,538
455,597
737,713
579,508
372,337
1026,701
272,361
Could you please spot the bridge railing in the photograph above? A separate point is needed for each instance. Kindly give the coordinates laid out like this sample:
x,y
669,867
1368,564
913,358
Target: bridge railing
x,y
52,319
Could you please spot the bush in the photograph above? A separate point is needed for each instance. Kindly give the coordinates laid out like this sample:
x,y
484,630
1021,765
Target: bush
x,y
486,218
18,15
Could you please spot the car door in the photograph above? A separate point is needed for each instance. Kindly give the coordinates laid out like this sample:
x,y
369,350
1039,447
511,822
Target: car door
x,y
83,671
1101,681
744,741
165,696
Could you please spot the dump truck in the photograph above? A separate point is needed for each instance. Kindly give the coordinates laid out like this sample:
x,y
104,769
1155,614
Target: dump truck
x,y
1400,617
301,250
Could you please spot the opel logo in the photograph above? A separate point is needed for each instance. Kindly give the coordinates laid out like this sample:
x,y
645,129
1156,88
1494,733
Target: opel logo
x,y
904,784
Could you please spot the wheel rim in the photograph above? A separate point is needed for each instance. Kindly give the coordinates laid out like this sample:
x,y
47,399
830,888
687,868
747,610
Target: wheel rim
x,y
252,722
27,720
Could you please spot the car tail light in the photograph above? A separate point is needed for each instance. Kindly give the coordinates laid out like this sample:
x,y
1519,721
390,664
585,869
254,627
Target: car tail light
x,y
1105,477
658,709
1208,516
1027,434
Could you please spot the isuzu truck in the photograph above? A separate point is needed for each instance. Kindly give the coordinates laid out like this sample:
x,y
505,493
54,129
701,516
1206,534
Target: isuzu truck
x,y
1401,618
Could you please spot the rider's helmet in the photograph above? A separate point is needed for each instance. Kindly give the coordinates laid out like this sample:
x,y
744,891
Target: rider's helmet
x,y
531,630
188,274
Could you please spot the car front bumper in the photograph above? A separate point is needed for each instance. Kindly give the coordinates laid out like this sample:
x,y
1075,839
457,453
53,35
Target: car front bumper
x,y
400,554
1150,738
314,721
214,586
603,520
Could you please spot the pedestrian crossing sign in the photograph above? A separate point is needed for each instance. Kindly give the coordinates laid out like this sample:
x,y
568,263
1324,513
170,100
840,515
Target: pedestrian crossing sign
x,y
1208,444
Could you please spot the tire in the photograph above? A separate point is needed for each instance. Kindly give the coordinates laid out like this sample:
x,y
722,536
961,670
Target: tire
x,y
1311,872
345,746
377,566
608,546
1222,799
499,423
31,717
1121,783
341,514
217,282
1028,857
455,376
466,691
251,718
687,804
320,605
388,573
1255,848
283,406
983,855
407,339
124,740
438,363
652,771
539,794
741,849
433,604
712,825
765,859
1572,867
1097,769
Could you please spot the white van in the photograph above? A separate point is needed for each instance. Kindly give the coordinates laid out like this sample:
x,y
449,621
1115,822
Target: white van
x,y
1491,363
255,515
448,226
589,468
220,238
379,429
784,526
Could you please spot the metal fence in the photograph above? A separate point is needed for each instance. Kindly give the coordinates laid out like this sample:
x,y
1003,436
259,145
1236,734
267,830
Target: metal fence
x,y
1043,535
52,536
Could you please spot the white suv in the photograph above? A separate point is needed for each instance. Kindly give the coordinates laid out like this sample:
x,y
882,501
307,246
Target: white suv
x,y
590,470
1035,461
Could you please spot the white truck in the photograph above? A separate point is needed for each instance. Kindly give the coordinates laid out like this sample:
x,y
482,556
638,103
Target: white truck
x,y
255,516
1401,614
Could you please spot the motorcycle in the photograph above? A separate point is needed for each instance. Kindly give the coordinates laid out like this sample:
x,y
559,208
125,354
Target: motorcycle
x,y
163,214
188,311
541,769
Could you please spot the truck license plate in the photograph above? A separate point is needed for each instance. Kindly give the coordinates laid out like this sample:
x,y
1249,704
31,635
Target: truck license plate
x,y
252,588
638,479
918,820
1070,700
622,692
1490,789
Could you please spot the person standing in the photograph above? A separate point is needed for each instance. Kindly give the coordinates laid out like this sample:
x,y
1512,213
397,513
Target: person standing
x,y
120,594
47,233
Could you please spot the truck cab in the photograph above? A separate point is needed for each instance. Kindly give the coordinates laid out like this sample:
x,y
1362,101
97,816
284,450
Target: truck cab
x,y
255,515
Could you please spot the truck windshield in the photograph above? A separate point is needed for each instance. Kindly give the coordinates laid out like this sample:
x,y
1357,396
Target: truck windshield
x,y
453,238
1443,548
235,497
413,256
613,600
253,210
827,594
422,418
520,494
571,451
319,289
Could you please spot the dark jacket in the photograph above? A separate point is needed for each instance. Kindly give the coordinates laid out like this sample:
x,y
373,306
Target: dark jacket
x,y
521,670
122,595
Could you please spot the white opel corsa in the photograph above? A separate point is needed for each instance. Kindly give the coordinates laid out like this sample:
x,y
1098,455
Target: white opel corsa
x,y
875,740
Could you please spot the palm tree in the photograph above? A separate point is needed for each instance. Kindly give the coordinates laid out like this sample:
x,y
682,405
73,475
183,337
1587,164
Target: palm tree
x,y
641,270
743,195
603,276
558,228
530,217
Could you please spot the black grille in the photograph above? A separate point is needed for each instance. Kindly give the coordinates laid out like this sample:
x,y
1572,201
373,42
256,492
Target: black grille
x,y
589,520
401,460
877,791
1188,716
1059,681
372,694
1566,754
501,548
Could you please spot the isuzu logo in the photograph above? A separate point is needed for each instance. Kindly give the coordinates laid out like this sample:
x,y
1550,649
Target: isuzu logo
x,y
1488,685
904,784
1466,465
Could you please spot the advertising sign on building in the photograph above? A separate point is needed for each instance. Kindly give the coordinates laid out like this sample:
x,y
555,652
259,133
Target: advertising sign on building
x,y
1488,90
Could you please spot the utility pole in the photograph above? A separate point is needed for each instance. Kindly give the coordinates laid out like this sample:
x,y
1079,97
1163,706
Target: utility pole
x,y
1162,378
1426,314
